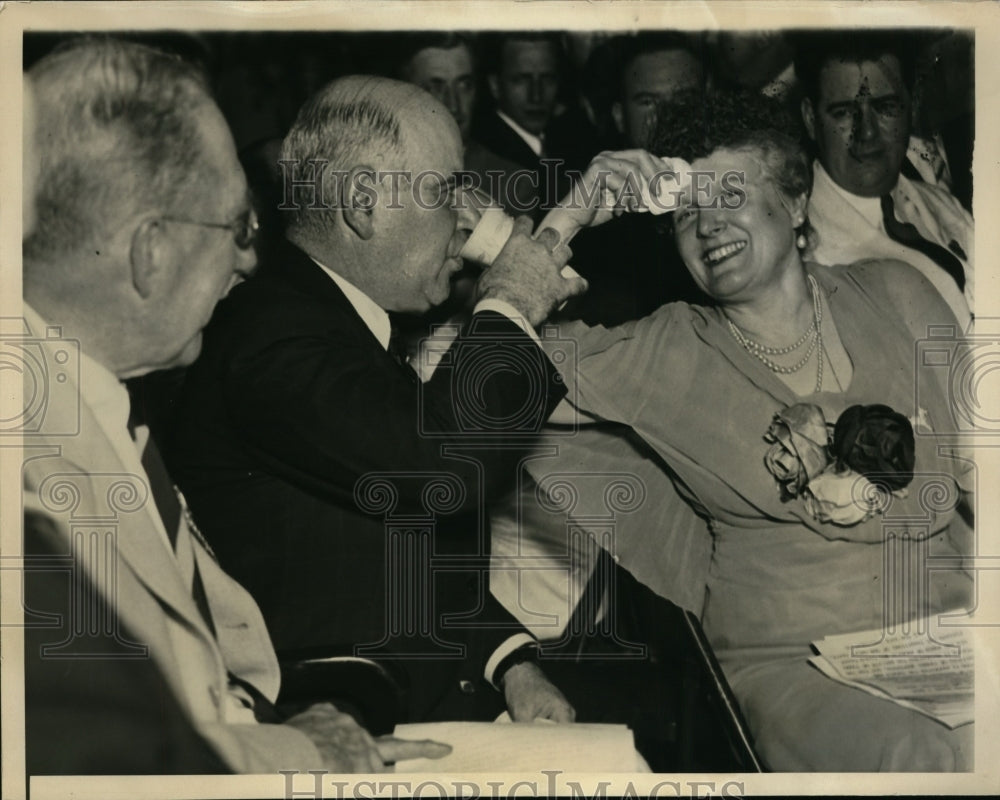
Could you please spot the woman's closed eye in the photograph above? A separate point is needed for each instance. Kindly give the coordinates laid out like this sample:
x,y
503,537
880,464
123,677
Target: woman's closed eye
x,y
685,215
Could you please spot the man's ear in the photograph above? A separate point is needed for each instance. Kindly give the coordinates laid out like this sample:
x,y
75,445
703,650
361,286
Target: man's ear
x,y
360,196
618,115
809,117
149,256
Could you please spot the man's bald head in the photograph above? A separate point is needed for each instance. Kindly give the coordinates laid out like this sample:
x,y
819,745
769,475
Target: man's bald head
x,y
388,220
359,120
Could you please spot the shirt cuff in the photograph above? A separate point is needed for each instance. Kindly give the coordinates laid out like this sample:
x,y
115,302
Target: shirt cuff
x,y
507,310
505,649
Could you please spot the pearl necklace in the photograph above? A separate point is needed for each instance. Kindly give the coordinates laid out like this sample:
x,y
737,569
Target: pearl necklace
x,y
813,332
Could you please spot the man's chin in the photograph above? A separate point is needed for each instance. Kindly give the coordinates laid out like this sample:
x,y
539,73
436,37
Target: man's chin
x,y
188,355
535,124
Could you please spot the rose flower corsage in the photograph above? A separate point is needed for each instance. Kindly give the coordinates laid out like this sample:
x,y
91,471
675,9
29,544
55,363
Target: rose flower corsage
x,y
841,472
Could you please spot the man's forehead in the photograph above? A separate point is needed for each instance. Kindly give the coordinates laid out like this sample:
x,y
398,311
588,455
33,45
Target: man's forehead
x,y
437,62
220,168
527,54
844,79
662,68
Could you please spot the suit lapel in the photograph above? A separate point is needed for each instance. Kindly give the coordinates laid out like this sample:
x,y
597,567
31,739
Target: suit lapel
x,y
141,547
307,277
503,140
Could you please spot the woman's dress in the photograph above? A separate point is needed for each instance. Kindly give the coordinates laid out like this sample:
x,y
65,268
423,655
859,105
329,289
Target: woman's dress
x,y
779,579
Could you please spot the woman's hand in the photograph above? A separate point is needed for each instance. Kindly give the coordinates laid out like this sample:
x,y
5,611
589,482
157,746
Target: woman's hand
x,y
615,182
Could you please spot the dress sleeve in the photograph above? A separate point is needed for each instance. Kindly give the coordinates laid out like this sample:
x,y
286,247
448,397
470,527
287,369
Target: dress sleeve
x,y
615,373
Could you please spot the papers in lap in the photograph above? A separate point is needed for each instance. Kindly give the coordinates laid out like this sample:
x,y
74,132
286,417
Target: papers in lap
x,y
928,669
524,747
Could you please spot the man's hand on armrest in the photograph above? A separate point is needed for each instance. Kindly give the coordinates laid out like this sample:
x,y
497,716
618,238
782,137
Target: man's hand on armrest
x,y
347,747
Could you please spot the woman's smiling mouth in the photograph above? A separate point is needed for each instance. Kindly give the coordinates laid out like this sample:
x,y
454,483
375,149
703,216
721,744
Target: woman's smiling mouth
x,y
719,254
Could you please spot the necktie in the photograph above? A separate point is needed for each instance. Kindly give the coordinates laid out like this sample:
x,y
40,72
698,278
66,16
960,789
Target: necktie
x,y
169,507
160,485
399,355
167,503
907,234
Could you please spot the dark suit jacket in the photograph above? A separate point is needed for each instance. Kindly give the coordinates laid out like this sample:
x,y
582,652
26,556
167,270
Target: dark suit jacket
x,y
499,177
550,177
292,403
495,134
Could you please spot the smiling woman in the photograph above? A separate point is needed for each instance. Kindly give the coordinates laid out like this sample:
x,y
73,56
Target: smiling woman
x,y
704,386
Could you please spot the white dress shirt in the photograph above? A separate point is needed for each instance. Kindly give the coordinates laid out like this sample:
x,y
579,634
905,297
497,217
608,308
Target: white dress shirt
x,y
849,228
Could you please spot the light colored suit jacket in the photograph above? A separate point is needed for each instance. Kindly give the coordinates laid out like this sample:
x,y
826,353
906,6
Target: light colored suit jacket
x,y
845,235
80,483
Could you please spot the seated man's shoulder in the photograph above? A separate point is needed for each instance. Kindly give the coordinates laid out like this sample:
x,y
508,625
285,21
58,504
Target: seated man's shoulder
x,y
266,309
938,197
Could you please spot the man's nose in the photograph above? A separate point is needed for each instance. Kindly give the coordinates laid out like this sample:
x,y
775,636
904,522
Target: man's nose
x,y
449,98
246,265
535,91
469,212
865,123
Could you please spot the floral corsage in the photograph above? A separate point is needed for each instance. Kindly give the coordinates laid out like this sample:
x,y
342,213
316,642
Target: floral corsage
x,y
842,472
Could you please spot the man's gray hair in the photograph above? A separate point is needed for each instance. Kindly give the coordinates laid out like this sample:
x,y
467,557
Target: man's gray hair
x,y
116,134
348,123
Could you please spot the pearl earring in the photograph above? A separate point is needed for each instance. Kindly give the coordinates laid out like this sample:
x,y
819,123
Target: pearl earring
x,y
801,241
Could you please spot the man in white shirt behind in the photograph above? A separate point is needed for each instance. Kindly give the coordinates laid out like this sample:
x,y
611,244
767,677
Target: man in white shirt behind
x,y
857,110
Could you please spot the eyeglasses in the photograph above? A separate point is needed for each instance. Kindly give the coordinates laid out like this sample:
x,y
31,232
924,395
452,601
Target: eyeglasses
x,y
244,228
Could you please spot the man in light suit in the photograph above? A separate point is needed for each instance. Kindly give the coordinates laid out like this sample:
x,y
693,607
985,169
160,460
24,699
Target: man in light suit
x,y
299,418
143,224
857,109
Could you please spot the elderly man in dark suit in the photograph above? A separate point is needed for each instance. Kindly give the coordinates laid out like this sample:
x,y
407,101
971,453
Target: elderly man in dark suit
x,y
315,459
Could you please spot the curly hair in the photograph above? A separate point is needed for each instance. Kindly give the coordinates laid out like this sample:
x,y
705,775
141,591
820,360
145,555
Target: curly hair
x,y
695,124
